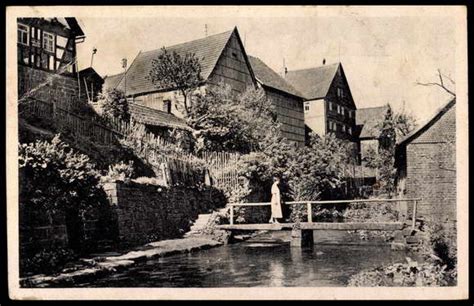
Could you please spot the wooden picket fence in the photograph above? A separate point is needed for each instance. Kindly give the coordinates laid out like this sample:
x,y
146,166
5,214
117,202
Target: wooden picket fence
x,y
181,167
223,167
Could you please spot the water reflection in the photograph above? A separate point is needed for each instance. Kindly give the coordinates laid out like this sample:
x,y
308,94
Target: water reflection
x,y
261,262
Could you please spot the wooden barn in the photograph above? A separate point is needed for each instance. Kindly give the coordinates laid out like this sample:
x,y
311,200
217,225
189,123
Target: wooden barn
x,y
222,58
287,100
90,83
426,165
329,106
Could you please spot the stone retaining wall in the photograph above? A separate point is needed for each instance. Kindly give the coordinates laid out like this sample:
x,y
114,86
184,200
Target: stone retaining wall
x,y
147,213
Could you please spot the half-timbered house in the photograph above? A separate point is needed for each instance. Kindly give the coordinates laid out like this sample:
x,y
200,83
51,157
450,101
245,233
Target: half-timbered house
x,y
47,65
329,106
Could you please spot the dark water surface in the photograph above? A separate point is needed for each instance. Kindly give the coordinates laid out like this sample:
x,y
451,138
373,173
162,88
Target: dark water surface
x,y
256,262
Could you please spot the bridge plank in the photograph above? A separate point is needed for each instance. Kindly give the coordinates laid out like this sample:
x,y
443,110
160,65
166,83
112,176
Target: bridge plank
x,y
344,226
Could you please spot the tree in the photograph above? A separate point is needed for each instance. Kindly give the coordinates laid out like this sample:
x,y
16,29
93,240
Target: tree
x,y
404,124
225,121
113,104
175,72
441,83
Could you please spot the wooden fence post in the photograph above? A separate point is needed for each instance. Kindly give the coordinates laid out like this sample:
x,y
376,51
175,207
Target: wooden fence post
x,y
414,216
231,221
310,213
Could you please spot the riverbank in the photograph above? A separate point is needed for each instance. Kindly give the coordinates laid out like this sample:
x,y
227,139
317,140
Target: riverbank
x,y
101,265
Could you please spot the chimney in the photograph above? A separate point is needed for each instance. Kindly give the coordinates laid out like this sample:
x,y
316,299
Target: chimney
x,y
324,61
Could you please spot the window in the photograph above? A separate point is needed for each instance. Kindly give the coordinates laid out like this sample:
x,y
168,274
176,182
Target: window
x,y
330,106
167,106
349,112
23,34
349,129
48,42
306,107
340,92
343,128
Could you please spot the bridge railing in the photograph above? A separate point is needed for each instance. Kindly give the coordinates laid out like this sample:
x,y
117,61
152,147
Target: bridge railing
x,y
402,206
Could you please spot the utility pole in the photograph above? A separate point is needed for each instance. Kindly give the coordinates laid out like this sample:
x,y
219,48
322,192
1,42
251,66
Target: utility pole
x,y
94,51
124,66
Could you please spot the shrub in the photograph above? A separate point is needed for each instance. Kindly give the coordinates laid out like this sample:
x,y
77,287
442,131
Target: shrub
x,y
404,275
112,103
53,176
55,180
440,243
47,261
120,171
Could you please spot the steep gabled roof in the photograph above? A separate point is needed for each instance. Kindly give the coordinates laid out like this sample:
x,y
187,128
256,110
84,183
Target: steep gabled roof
x,y
151,116
367,120
112,81
207,50
90,74
436,116
313,83
268,77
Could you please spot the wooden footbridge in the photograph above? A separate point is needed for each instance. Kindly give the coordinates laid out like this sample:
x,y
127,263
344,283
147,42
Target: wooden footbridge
x,y
302,233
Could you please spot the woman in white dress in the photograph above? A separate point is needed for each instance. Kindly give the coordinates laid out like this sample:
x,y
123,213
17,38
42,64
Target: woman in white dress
x,y
275,203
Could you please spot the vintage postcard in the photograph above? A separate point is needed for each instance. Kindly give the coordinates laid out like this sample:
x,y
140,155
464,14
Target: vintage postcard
x,y
264,152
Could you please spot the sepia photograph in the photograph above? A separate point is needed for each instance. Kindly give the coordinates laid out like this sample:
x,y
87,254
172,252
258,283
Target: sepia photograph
x,y
311,151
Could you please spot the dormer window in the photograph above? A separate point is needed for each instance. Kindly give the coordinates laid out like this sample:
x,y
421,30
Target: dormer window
x,y
48,42
23,34
306,107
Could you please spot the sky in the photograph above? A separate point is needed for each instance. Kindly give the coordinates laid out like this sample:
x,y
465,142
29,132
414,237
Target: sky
x,y
383,55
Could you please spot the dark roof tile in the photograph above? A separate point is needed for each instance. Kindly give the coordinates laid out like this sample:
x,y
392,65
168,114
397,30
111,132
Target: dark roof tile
x,y
268,77
111,81
313,83
368,119
151,116
207,50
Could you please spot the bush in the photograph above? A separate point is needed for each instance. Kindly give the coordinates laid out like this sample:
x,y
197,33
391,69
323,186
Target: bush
x,y
441,244
53,176
404,275
112,103
120,171
57,181
47,261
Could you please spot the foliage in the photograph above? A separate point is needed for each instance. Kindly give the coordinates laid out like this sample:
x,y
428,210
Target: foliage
x,y
225,121
53,176
383,158
316,171
112,103
177,72
121,171
47,261
404,274
367,212
404,123
441,244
